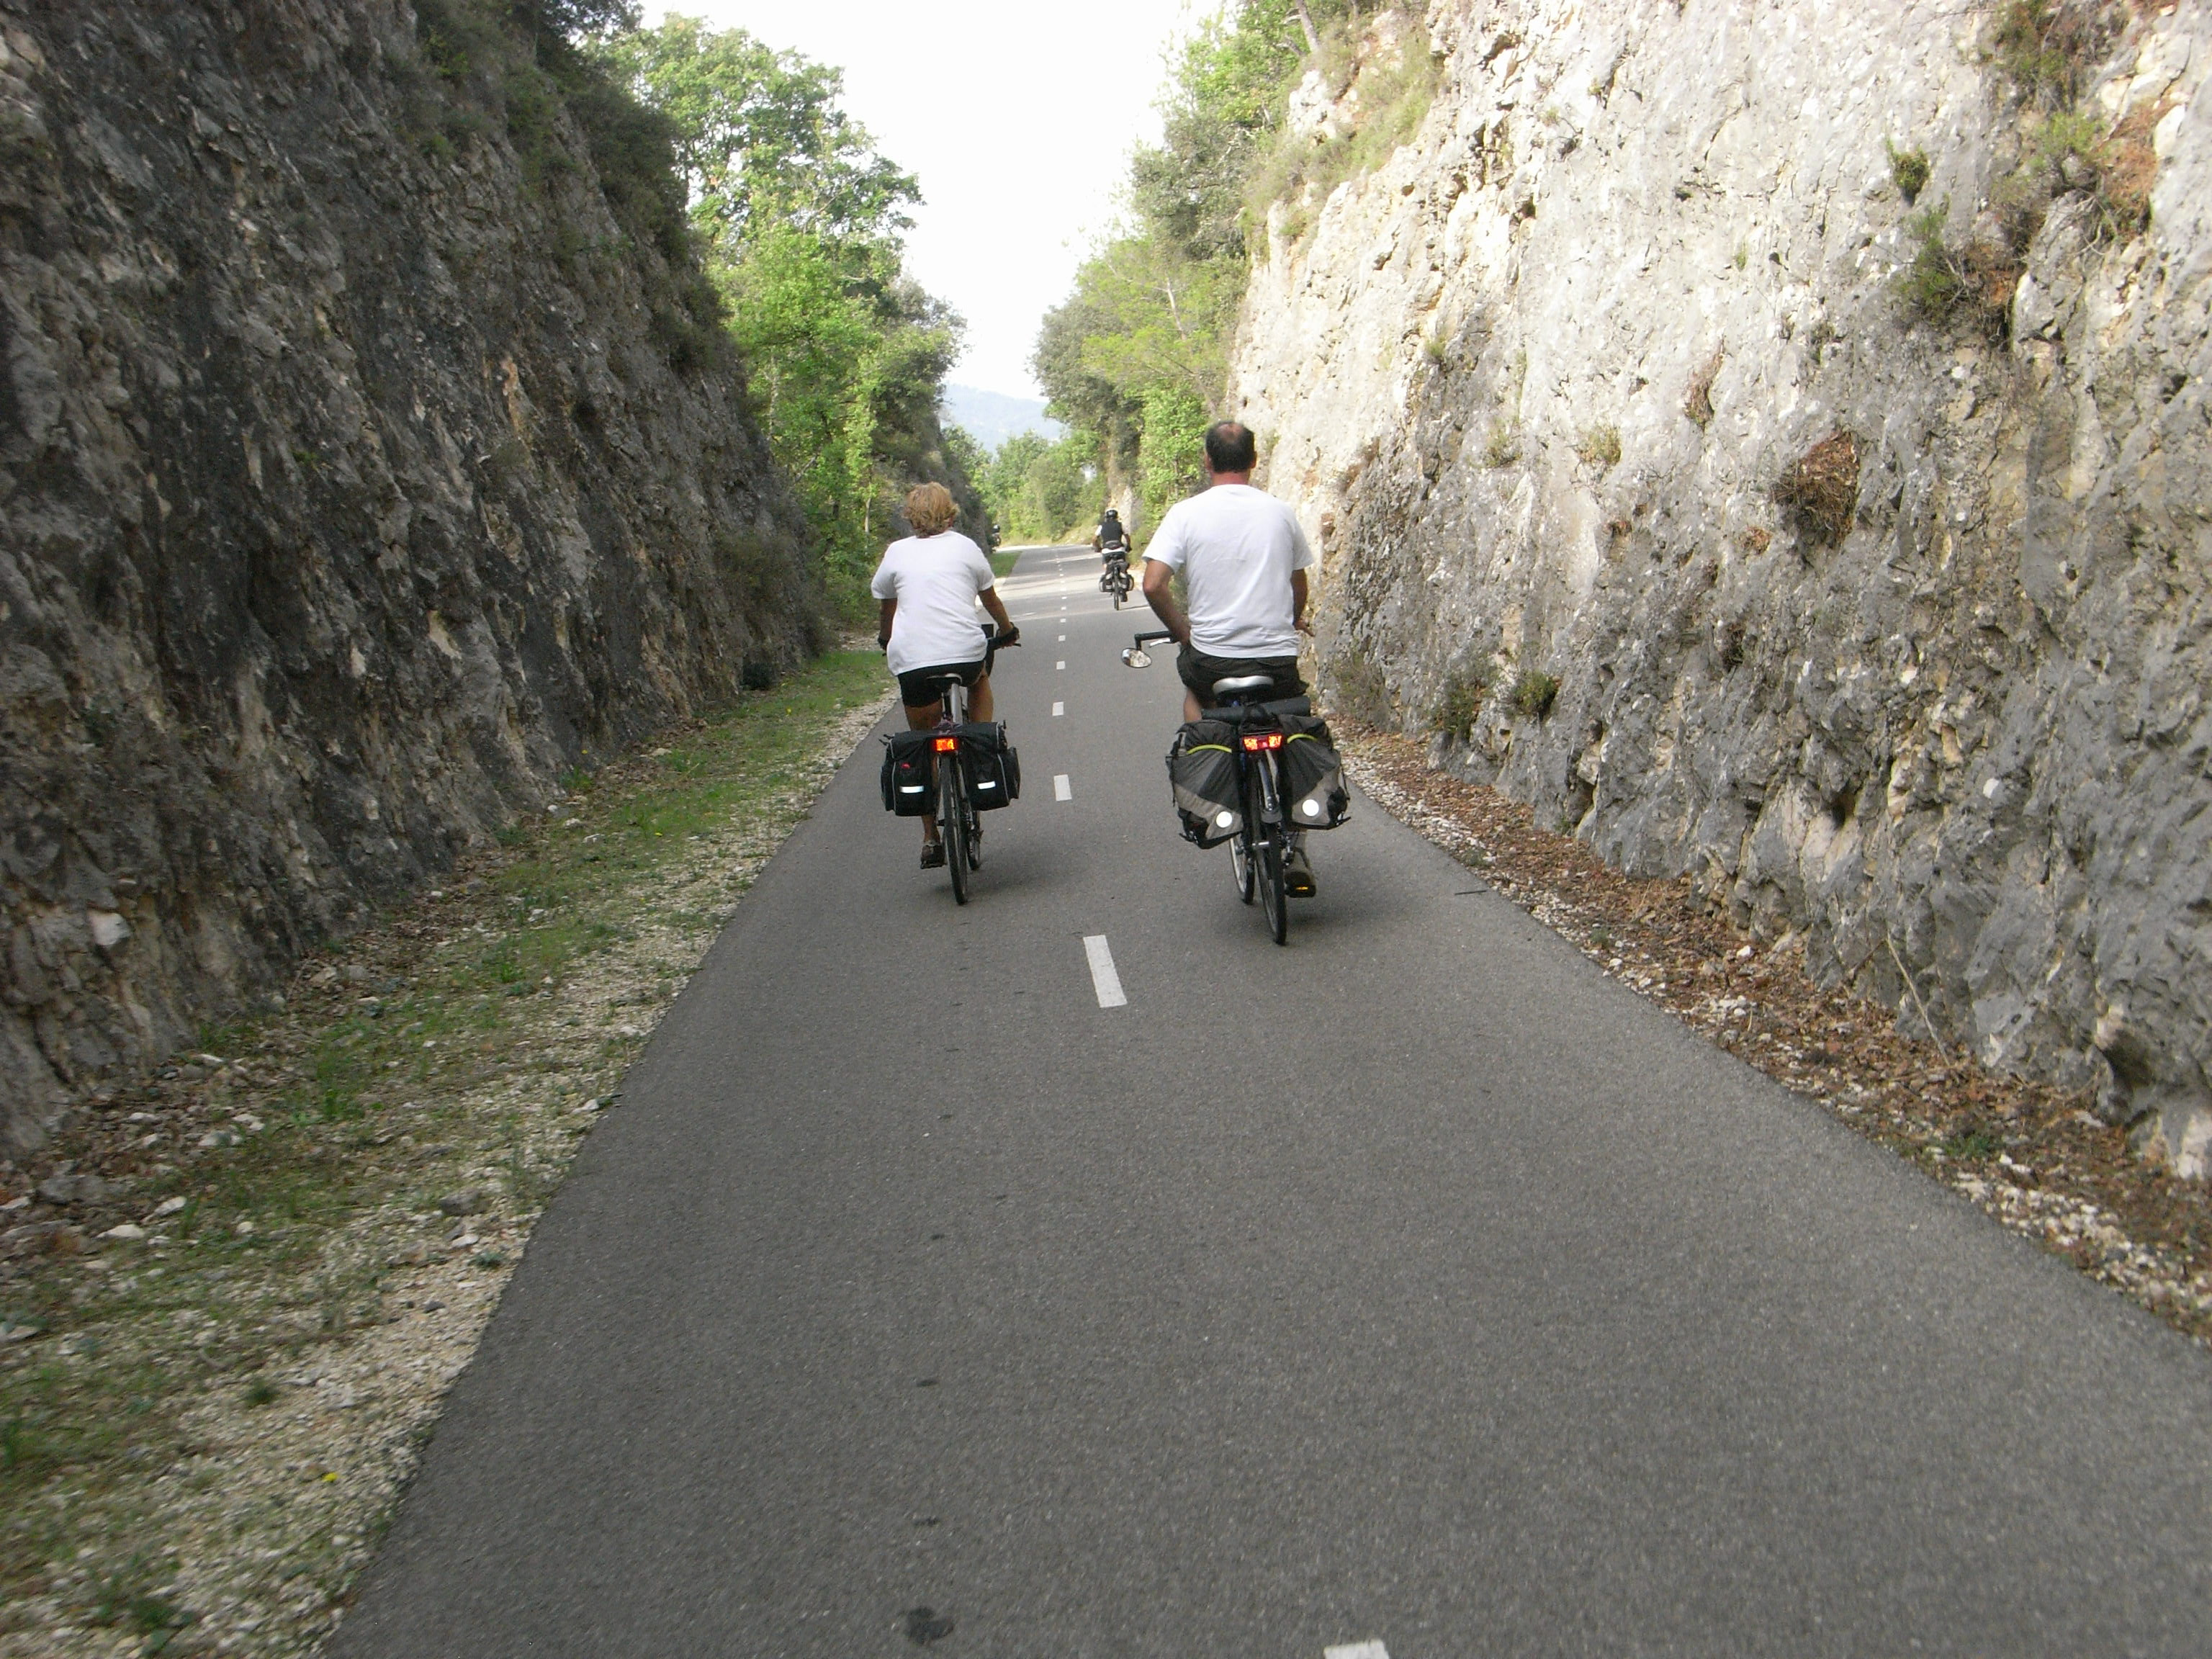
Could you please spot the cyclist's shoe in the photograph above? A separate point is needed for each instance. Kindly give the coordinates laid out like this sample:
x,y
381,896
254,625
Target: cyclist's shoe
x,y
1297,874
933,855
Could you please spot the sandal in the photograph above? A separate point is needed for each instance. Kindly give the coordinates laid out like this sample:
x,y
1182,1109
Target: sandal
x,y
933,856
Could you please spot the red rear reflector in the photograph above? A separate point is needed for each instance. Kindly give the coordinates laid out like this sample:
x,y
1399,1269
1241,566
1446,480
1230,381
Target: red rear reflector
x,y
1265,740
946,745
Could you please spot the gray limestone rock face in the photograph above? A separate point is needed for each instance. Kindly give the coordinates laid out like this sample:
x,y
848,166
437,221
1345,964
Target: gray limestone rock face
x,y
360,472
1892,632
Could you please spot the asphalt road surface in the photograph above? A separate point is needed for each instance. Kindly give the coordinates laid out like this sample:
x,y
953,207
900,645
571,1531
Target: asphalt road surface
x,y
1415,1290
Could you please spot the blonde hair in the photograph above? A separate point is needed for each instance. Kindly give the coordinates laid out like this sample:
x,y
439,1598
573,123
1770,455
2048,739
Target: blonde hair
x,y
929,509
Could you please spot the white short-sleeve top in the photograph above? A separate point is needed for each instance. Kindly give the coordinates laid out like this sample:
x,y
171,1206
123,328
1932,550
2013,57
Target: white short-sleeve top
x,y
935,579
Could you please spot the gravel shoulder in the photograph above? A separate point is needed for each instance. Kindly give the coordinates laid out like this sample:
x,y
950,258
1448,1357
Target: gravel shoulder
x,y
231,1302
2035,1158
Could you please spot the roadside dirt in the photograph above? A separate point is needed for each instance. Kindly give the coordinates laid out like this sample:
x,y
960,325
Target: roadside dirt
x,y
2031,1156
232,1300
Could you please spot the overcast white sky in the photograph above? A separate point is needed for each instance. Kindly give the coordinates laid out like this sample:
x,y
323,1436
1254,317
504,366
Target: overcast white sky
x,y
1018,117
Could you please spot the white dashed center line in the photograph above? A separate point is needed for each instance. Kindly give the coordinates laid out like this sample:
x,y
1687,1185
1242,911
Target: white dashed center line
x,y
1062,664
1057,709
1107,984
1063,639
1060,789
1353,1649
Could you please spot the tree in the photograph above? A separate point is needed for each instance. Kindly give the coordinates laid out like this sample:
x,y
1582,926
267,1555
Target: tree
x,y
802,218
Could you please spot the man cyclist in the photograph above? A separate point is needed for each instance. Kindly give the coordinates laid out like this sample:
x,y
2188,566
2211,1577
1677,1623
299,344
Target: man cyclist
x,y
1243,560
1110,542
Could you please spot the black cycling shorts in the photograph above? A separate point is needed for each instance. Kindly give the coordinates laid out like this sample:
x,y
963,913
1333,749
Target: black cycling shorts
x,y
917,688
1199,672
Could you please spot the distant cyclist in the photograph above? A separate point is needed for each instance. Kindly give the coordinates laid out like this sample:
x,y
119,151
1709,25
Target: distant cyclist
x,y
1112,541
1243,560
929,584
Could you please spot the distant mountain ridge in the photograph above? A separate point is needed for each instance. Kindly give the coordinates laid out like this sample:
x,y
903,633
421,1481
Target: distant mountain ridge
x,y
992,417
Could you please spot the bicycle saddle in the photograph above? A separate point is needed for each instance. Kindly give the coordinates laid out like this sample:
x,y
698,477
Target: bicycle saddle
x,y
1242,683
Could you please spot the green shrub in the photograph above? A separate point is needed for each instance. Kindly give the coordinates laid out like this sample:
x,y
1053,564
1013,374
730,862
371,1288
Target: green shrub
x,y
1533,693
1460,704
1908,171
1943,285
1503,447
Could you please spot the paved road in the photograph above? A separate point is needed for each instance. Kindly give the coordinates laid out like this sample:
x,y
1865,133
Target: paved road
x,y
1414,1285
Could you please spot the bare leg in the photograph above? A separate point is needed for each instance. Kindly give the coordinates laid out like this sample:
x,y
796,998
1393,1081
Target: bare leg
x,y
979,701
920,720
1191,711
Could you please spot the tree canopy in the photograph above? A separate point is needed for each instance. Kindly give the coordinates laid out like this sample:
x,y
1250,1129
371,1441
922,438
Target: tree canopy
x,y
802,220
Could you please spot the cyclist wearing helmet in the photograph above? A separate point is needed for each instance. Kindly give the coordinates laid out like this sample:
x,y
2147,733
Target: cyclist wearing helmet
x,y
929,583
1243,560
1112,541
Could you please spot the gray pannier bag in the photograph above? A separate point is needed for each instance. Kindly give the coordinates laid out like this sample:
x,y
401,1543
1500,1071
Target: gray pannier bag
x,y
1202,776
1313,774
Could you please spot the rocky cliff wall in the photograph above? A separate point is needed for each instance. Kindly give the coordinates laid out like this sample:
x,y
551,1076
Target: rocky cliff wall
x,y
1892,631
361,469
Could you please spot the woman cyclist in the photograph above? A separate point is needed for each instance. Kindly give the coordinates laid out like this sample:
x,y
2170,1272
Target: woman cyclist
x,y
929,583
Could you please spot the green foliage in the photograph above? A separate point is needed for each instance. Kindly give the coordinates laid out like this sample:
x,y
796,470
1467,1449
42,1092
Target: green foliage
x,y
1170,453
1039,491
1908,171
1144,337
1462,701
1945,285
802,219
1533,693
1394,99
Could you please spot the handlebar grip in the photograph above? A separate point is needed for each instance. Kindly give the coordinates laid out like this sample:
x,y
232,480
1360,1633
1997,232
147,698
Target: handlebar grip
x,y
1147,639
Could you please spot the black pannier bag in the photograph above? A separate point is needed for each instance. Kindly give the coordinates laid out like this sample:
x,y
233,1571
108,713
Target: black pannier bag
x,y
995,770
1202,776
909,787
1313,775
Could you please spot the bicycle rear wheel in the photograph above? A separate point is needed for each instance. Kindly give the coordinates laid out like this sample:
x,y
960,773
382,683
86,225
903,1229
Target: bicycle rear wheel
x,y
1242,864
1274,890
952,823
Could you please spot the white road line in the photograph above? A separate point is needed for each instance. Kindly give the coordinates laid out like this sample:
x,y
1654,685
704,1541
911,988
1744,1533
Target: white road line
x,y
1107,984
1057,709
1356,1650
1060,789
1063,639
1062,664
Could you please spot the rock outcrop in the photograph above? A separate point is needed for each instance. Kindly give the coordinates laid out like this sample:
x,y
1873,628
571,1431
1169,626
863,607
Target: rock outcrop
x,y
365,464
1642,482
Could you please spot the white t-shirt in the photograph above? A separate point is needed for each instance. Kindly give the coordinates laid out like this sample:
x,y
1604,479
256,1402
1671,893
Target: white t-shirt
x,y
935,579
1236,547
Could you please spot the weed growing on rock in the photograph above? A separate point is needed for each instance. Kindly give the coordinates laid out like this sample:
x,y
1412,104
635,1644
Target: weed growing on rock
x,y
1358,688
2045,46
1944,285
1908,171
1503,447
1820,487
1457,710
1698,405
1533,693
1600,446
